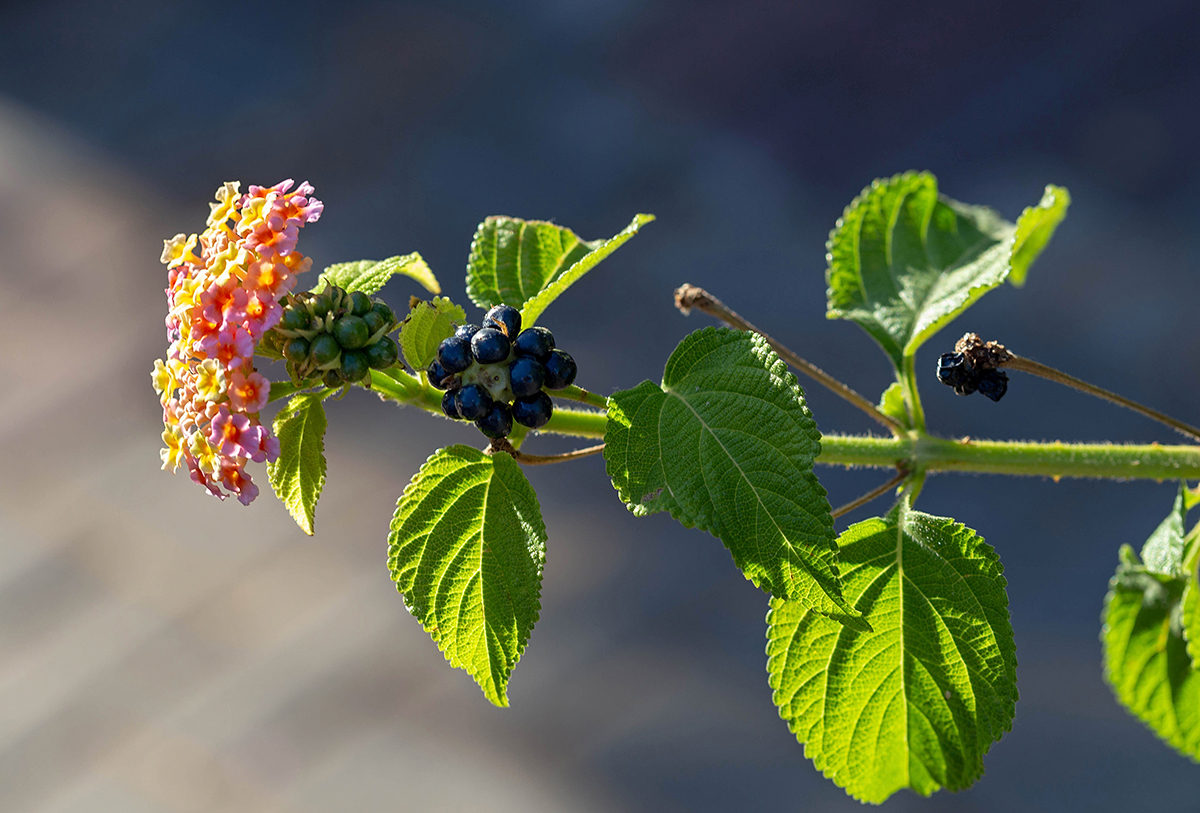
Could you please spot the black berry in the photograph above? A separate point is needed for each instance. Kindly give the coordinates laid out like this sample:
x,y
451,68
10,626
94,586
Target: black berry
x,y
560,370
455,354
525,376
533,411
535,342
351,332
473,402
467,331
497,423
489,346
323,349
355,366
954,370
504,318
360,303
993,384
438,377
296,349
450,405
382,354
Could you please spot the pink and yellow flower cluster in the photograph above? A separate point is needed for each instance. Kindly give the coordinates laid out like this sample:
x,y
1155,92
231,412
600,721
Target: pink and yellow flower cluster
x,y
220,303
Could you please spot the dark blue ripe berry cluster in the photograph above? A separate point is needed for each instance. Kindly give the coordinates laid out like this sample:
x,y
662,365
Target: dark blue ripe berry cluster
x,y
495,374
956,370
336,336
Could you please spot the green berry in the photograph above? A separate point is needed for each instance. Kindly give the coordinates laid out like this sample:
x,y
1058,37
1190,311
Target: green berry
x,y
384,311
295,319
324,349
375,322
332,378
351,332
355,366
360,303
321,305
296,349
382,354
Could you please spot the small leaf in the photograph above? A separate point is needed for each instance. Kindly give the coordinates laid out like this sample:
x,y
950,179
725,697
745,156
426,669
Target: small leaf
x,y
466,550
369,276
516,262
1191,619
917,702
298,474
891,403
428,323
281,389
1035,227
727,445
903,262
1145,655
1163,551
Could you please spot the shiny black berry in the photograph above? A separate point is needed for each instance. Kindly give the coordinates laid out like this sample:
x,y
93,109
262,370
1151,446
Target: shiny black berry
x,y
489,346
525,376
504,318
382,354
560,370
466,331
954,370
497,423
450,405
993,384
533,411
535,342
351,332
355,366
323,349
438,377
455,354
473,402
296,349
360,303
295,319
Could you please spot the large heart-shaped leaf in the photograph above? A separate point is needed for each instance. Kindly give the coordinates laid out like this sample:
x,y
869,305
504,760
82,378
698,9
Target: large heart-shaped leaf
x,y
727,444
917,702
904,261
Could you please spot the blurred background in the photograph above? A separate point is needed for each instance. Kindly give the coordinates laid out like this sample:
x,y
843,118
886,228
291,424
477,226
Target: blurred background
x,y
161,651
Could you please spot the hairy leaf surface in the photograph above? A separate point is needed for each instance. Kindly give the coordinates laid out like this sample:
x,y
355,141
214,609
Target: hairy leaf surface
x,y
466,550
298,474
426,326
727,445
369,276
904,261
529,263
917,702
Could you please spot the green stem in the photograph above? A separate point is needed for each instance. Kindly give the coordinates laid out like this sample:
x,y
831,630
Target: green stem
x,y
574,393
1054,459
912,396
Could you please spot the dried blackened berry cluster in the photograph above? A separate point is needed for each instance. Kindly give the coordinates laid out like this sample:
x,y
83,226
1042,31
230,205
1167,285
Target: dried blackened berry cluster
x,y
956,370
337,335
495,374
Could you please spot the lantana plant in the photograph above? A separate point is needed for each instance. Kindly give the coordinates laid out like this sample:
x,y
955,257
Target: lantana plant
x,y
890,654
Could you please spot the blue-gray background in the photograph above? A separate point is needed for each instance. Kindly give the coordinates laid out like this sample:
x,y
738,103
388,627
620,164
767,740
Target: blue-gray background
x,y
745,128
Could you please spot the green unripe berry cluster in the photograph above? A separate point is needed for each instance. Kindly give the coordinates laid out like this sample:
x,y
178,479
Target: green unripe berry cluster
x,y
335,336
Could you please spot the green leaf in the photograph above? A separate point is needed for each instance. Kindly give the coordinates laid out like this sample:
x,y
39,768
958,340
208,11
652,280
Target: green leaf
x,y
1163,551
903,261
466,550
917,702
1191,619
529,263
727,445
891,403
298,474
1035,227
369,276
1146,659
427,324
